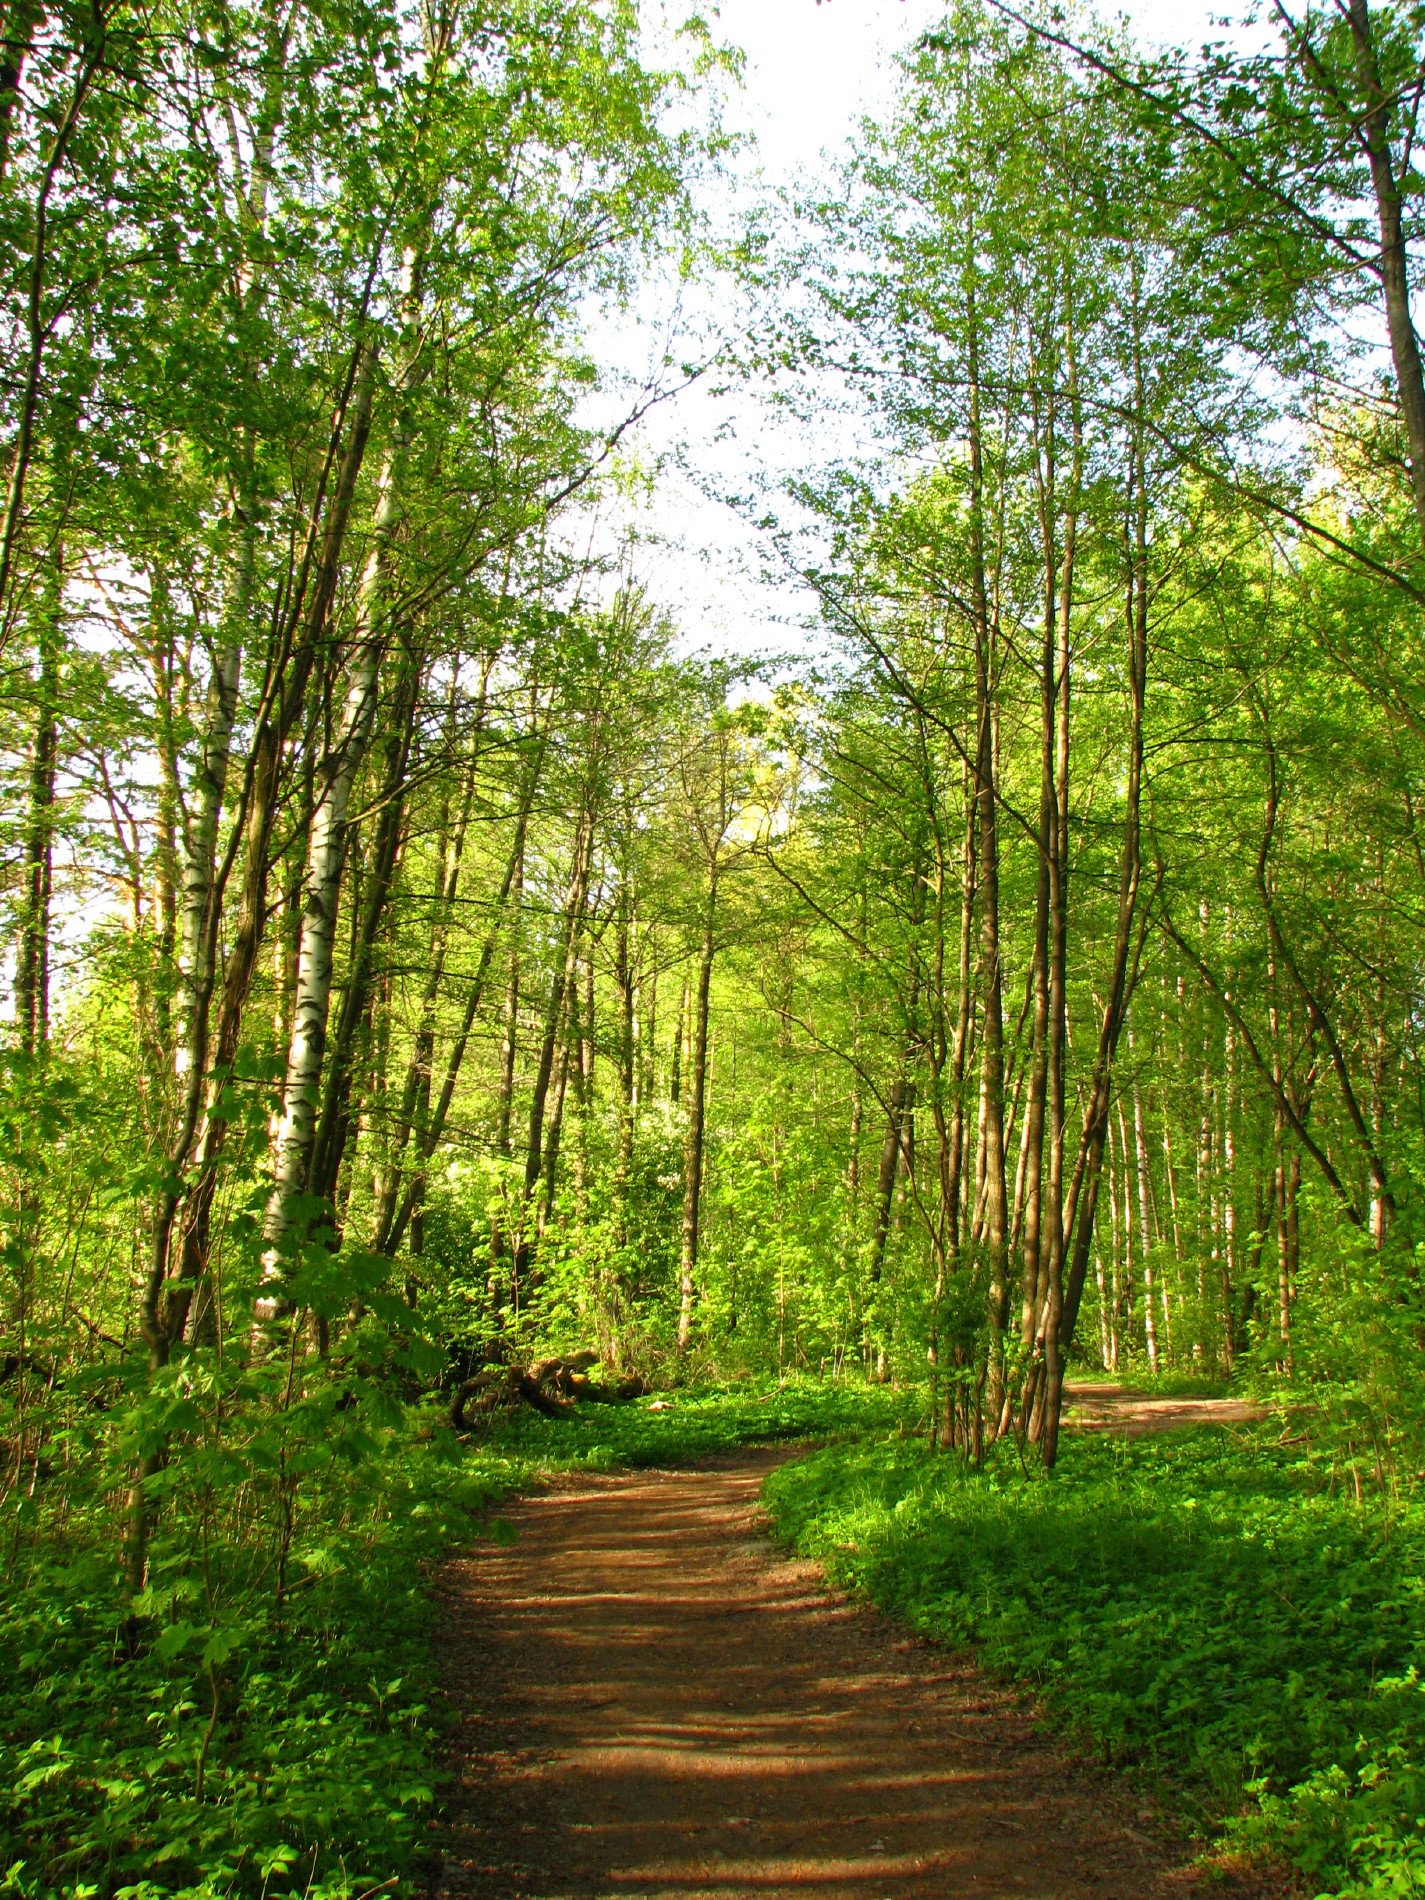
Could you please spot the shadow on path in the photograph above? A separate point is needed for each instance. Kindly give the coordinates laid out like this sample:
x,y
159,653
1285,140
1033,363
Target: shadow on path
x,y
1118,1408
657,1703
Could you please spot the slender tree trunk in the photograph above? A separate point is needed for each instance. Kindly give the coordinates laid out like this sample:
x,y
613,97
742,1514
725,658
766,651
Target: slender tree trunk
x,y
575,899
167,816
991,974
853,1162
1037,1243
415,1095
994,1226
648,1077
390,1224
892,1145
675,1080
1145,1237
37,323
326,857
694,1138
166,1299
1394,253
509,1042
1288,1249
1053,1238
1083,1193
625,984
32,951
556,1118
329,1140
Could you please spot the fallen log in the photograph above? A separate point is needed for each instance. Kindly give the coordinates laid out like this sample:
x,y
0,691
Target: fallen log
x,y
552,1386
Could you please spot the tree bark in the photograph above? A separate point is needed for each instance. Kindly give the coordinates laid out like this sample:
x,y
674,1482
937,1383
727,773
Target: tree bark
x,y
575,898
1083,1193
509,1045
991,974
1394,252
329,1139
694,1137
391,1219
326,858
32,951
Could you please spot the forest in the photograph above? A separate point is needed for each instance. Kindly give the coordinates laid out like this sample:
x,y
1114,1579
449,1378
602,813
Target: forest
x,y
460,1020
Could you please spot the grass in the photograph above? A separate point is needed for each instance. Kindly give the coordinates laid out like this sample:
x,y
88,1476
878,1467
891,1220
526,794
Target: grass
x,y
1211,1607
1214,1610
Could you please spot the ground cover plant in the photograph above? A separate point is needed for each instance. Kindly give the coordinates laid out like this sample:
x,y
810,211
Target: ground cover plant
x,y
1216,1608
274,1732
680,1425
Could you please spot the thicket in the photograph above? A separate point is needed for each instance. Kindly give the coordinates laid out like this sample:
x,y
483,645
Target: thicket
x,y
420,961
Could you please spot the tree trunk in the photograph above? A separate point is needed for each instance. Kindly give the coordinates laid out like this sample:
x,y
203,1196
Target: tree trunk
x,y
509,1042
675,1080
693,1140
625,984
892,1144
326,858
1083,1193
1394,252
32,953
166,1299
391,1221
329,1139
566,966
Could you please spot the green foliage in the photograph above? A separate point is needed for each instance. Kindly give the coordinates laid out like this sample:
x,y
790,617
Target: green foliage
x,y
417,962
701,1420
261,1719
1218,1610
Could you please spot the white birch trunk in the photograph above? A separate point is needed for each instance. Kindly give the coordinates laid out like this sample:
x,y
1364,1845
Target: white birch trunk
x,y
321,885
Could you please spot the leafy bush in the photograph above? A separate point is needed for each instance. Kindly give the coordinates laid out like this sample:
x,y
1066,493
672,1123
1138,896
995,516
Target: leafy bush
x,y
256,1731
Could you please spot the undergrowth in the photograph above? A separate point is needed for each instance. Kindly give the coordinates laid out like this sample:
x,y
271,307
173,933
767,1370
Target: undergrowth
x,y
268,1728
699,1421
1216,1608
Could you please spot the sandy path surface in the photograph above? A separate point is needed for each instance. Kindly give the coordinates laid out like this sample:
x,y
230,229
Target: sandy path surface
x,y
657,1703
1118,1408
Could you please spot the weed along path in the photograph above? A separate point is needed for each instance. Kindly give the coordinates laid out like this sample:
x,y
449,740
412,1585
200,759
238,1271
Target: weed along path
x,y
656,1703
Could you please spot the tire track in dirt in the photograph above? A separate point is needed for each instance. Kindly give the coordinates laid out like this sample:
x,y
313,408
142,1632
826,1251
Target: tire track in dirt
x,y
656,1704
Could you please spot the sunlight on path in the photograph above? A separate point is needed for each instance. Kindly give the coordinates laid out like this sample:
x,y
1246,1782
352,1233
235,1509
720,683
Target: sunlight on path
x,y
657,1703
1118,1408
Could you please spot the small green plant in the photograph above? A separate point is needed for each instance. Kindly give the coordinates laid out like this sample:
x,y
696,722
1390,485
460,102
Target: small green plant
x,y
260,1721
1217,1610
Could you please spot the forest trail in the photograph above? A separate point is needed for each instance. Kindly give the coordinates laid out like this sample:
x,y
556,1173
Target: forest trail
x,y
1094,1406
656,1702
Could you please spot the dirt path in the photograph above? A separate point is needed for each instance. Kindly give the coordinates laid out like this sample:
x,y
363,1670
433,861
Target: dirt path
x,y
656,1703
1117,1408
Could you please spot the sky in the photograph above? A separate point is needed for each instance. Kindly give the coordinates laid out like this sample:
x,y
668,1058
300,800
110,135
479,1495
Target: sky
x,y
811,71
811,68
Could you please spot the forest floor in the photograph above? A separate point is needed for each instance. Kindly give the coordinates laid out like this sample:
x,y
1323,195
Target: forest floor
x,y
654,1700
